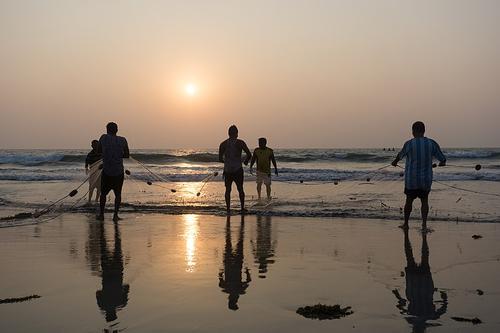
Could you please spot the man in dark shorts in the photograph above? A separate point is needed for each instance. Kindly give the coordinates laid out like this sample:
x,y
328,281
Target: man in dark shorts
x,y
230,154
114,149
419,153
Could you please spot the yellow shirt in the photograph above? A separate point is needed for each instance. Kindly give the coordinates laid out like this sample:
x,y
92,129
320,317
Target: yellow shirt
x,y
263,156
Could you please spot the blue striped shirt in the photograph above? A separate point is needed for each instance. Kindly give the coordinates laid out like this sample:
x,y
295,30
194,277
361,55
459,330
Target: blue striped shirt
x,y
418,169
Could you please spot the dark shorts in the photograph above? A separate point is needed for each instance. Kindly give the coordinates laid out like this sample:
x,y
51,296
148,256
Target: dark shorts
x,y
109,183
230,177
418,193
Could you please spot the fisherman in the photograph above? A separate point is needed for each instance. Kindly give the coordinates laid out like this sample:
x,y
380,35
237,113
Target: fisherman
x,y
230,154
419,153
92,167
114,149
264,156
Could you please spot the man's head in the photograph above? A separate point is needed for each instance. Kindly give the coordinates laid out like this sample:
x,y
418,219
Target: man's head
x,y
418,129
233,131
112,128
94,144
262,142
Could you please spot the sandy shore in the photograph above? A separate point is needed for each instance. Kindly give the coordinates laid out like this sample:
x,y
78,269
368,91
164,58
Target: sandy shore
x,y
185,273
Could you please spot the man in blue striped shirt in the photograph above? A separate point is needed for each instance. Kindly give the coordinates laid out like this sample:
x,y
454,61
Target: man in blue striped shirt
x,y
419,153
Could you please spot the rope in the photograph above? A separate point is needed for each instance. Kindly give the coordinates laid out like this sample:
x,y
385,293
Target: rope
x,y
336,181
467,190
463,189
205,180
149,170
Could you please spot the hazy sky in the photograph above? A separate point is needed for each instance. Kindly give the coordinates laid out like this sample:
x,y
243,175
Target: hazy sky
x,y
303,73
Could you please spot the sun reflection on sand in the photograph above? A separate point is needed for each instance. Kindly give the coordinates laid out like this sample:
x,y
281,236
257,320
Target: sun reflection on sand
x,y
190,235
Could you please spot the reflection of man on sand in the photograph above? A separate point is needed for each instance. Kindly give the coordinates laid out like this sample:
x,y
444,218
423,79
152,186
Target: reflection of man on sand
x,y
263,248
114,294
419,290
230,277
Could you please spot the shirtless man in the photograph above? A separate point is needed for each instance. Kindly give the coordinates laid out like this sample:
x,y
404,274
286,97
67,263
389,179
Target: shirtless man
x,y
114,149
230,151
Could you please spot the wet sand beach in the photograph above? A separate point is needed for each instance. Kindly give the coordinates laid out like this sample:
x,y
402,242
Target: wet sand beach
x,y
186,273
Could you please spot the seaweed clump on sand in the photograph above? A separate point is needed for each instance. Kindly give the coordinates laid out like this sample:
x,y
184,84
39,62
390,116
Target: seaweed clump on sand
x,y
474,320
322,311
18,216
18,299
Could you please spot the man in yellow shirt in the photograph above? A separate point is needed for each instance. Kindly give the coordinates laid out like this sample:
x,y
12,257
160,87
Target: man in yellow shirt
x,y
264,156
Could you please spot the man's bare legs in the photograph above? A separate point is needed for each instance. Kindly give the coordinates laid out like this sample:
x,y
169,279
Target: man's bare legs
x,y
102,206
118,200
268,190
259,190
97,195
424,211
241,192
227,196
407,211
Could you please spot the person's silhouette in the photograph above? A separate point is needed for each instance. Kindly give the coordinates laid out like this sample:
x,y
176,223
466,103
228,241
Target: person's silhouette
x,y
263,247
230,151
114,293
114,149
231,276
419,305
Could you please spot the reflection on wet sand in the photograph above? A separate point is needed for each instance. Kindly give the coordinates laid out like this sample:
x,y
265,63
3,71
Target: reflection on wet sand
x,y
419,305
190,235
93,247
114,293
264,247
230,276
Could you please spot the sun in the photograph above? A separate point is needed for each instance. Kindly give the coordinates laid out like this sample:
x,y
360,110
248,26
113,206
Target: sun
x,y
191,89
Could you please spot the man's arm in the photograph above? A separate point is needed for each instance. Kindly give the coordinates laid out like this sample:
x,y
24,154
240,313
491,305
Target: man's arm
x,y
254,159
222,150
273,160
401,154
87,164
126,151
248,152
439,154
99,146
396,160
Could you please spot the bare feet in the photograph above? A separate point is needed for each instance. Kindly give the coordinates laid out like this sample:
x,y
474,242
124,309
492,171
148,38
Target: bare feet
x,y
244,211
404,226
100,217
116,218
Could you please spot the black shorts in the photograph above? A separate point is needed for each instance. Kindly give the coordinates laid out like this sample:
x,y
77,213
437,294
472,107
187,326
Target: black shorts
x,y
418,193
230,177
109,183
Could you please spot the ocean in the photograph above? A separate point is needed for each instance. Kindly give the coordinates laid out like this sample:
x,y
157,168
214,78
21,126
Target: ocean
x,y
311,182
